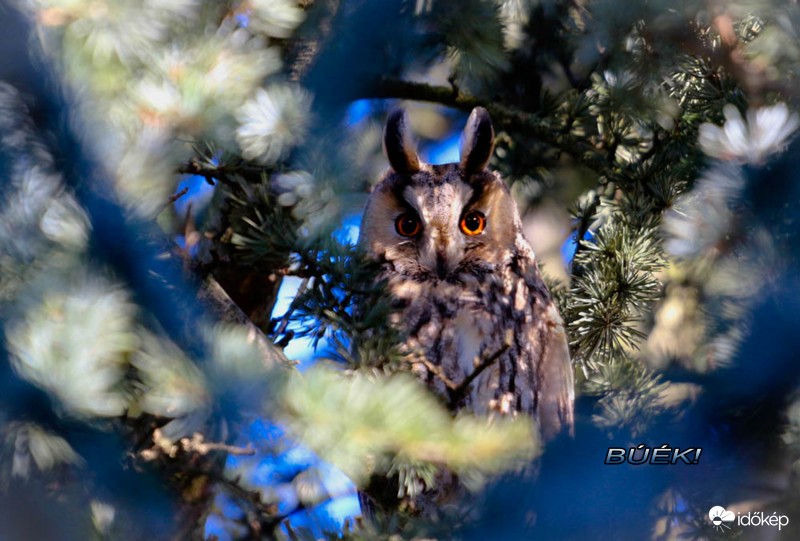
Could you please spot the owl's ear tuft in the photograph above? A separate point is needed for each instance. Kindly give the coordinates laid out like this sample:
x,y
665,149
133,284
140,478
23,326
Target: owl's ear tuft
x,y
399,145
477,141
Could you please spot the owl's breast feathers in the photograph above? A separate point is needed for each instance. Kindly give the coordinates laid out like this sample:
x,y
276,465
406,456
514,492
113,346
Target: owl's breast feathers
x,y
492,342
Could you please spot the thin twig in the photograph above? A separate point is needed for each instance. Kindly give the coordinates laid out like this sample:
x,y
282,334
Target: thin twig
x,y
194,167
172,198
197,444
177,195
582,227
292,307
305,506
463,387
437,371
217,173
265,512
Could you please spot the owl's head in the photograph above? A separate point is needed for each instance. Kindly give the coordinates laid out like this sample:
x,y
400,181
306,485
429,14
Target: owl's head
x,y
440,222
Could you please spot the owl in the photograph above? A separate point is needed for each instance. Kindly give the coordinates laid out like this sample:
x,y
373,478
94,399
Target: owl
x,y
482,329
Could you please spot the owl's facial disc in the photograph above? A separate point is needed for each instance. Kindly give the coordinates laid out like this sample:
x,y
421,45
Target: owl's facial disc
x,y
450,222
442,244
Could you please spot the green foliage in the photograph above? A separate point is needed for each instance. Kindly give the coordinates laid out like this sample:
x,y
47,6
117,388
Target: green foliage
x,y
473,31
613,288
259,224
345,299
361,421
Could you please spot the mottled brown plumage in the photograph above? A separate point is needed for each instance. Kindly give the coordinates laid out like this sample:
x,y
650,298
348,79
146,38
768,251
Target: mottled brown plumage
x,y
470,296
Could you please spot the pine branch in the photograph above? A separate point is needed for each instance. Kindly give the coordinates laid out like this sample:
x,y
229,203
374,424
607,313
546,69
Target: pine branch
x,y
212,295
214,173
503,116
195,167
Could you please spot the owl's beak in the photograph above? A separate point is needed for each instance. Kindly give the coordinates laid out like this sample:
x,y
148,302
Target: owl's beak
x,y
441,264
439,248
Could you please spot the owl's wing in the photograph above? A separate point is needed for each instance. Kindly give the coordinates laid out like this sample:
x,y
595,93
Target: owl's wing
x,y
556,385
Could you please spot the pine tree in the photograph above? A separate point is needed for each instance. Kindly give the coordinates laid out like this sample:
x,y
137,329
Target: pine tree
x,y
170,167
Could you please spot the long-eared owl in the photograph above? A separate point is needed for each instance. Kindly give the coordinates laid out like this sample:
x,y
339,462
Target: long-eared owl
x,y
482,328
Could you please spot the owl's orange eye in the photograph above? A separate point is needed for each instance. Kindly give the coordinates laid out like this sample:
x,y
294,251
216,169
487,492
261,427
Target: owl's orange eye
x,y
408,224
473,223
